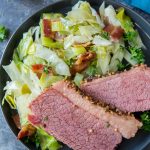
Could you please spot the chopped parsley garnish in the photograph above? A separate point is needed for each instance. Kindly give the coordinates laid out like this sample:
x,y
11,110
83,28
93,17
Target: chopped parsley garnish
x,y
46,69
27,139
37,141
70,62
130,36
137,54
3,33
123,66
105,35
145,118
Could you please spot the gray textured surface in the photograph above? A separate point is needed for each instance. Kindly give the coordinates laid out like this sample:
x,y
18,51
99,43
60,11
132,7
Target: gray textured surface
x,y
12,14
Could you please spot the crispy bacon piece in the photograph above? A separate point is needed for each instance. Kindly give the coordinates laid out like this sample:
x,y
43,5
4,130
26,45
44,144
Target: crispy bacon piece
x,y
114,31
88,56
47,29
82,62
38,69
27,130
16,120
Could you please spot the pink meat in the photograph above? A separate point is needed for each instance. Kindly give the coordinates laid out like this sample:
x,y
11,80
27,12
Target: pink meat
x,y
71,124
125,124
128,91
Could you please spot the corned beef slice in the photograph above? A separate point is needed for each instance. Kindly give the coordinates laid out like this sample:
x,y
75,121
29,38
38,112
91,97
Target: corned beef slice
x,y
71,124
126,125
74,120
128,91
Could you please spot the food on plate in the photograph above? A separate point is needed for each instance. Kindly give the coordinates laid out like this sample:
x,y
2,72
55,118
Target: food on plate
x,y
84,44
128,91
82,62
127,125
70,123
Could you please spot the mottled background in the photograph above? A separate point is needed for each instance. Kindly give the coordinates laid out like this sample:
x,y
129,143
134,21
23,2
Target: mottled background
x,y
12,14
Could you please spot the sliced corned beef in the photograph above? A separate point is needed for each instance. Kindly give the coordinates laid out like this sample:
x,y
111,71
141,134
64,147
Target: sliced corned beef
x,y
125,124
128,91
72,124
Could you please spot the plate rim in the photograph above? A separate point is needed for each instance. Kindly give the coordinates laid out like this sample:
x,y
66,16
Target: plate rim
x,y
70,3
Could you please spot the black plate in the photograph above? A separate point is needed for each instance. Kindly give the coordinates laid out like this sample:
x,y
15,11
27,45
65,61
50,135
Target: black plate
x,y
141,140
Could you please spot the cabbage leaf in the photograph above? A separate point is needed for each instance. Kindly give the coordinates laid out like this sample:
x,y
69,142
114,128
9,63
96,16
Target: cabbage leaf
x,y
99,41
31,60
53,60
103,60
24,45
78,79
47,80
78,39
110,13
74,51
22,103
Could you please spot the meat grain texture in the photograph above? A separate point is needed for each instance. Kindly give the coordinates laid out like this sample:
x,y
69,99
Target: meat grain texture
x,y
70,124
127,125
128,91
75,121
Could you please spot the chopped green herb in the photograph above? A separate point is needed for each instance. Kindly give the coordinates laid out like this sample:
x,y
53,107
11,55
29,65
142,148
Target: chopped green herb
x,y
122,66
122,48
46,69
34,139
137,54
105,35
145,118
37,141
27,139
3,33
130,36
70,62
